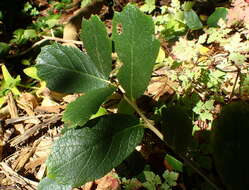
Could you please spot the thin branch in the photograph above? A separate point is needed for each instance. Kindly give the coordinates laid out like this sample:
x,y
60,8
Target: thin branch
x,y
29,49
22,180
235,82
150,126
29,132
226,71
197,170
23,118
62,40
145,119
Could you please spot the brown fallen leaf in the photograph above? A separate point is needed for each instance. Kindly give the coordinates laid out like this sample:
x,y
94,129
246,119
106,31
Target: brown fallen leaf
x,y
88,186
70,98
239,12
159,86
28,102
40,3
108,182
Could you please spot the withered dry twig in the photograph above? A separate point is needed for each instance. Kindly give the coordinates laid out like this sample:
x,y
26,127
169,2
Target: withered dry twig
x,y
20,138
27,183
19,119
23,118
1,141
13,112
63,40
25,155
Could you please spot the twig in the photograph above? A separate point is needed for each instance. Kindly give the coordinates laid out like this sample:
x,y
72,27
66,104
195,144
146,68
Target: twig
x,y
22,180
23,118
226,71
13,112
197,170
220,55
150,126
19,119
29,49
33,130
235,82
63,40
145,119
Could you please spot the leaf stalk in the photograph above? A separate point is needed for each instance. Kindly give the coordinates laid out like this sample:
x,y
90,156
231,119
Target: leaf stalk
x,y
149,125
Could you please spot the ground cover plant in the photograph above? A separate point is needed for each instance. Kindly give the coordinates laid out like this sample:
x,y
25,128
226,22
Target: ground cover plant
x,y
103,139
154,96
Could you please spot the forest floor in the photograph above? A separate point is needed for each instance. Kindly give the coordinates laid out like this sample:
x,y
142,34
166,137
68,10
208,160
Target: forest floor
x,y
208,65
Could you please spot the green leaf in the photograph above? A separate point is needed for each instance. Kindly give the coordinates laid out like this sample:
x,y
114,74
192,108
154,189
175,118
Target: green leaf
x,y
18,37
133,34
152,180
188,5
178,127
79,111
176,164
2,100
230,145
161,56
86,154
29,34
48,184
203,109
125,108
192,20
219,13
31,72
244,84
170,178
67,69
102,111
52,22
10,83
4,49
185,50
97,44
237,58
149,6
85,3
27,7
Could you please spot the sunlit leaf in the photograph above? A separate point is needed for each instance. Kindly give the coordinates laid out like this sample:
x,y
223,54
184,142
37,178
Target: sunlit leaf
x,y
10,83
133,34
219,13
97,44
49,184
149,6
31,72
192,20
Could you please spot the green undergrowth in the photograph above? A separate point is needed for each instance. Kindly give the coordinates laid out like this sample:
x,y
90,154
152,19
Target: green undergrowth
x,y
188,84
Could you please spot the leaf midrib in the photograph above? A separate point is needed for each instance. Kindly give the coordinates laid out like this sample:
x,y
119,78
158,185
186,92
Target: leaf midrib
x,y
81,73
100,60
